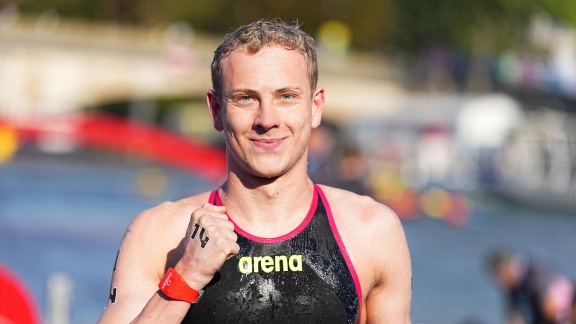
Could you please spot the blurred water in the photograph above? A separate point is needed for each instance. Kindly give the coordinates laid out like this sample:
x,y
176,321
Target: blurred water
x,y
68,215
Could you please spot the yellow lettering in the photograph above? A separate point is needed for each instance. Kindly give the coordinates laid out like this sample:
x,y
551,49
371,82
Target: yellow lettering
x,y
245,265
256,263
295,263
281,260
267,264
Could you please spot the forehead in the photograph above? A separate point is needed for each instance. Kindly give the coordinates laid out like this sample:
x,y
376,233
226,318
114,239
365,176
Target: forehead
x,y
270,65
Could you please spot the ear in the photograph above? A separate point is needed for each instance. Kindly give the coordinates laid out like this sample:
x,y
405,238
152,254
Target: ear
x,y
215,110
317,106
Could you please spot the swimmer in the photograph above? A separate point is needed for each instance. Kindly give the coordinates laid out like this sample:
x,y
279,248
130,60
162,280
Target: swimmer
x,y
533,292
268,245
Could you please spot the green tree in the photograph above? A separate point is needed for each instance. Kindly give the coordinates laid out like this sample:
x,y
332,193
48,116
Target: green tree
x,y
407,25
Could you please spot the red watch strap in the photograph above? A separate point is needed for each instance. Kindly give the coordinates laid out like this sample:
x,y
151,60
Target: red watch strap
x,y
175,287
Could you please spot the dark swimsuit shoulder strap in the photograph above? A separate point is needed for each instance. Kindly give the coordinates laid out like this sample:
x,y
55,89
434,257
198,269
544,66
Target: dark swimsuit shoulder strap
x,y
340,243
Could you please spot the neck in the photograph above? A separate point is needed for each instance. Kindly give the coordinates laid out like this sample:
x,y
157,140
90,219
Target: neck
x,y
269,207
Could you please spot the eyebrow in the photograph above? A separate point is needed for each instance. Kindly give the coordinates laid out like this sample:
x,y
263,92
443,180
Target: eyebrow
x,y
289,89
255,93
241,91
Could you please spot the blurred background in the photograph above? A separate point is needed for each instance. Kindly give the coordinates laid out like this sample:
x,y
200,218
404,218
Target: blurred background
x,y
459,115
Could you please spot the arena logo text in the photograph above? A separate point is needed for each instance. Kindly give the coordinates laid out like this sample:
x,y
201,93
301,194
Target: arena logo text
x,y
247,265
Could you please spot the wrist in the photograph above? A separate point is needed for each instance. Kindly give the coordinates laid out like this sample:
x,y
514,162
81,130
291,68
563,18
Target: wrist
x,y
175,287
195,279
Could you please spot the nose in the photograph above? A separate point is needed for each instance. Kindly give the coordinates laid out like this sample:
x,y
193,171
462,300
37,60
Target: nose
x,y
268,116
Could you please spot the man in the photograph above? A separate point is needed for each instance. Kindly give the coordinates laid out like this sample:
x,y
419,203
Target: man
x,y
533,292
268,245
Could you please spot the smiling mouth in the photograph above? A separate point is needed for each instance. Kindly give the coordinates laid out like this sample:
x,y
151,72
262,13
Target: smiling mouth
x,y
268,144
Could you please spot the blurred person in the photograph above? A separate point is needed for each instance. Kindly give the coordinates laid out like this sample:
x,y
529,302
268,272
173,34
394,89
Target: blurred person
x,y
573,318
321,146
533,292
435,155
573,315
268,245
345,168
352,170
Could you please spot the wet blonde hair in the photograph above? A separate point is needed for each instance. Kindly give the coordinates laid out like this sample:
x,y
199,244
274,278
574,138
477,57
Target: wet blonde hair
x,y
259,34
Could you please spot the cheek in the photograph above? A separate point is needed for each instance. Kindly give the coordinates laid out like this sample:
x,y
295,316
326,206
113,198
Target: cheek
x,y
238,120
235,132
231,125
301,120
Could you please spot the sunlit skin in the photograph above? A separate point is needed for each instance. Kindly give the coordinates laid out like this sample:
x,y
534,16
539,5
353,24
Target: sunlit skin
x,y
266,119
266,112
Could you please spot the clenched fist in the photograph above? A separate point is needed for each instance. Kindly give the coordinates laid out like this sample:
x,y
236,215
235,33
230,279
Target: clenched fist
x,y
210,241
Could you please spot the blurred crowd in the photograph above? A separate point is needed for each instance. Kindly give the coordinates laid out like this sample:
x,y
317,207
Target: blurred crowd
x,y
423,175
413,180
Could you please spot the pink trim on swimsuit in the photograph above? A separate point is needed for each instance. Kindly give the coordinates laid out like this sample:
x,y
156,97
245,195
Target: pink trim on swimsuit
x,y
212,198
215,197
342,248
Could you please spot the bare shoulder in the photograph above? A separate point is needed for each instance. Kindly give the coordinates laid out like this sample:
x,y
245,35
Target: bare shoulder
x,y
360,211
364,223
167,214
374,238
156,231
151,241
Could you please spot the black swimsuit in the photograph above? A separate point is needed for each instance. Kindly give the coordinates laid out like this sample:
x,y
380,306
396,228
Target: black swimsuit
x,y
305,276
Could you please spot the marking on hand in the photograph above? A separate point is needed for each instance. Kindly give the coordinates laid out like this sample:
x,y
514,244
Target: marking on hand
x,y
203,240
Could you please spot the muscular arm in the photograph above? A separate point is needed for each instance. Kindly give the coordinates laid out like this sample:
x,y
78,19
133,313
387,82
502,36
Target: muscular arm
x,y
375,239
390,298
139,267
144,256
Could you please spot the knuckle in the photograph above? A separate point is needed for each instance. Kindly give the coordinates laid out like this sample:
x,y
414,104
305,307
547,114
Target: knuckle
x,y
212,229
222,240
206,205
200,217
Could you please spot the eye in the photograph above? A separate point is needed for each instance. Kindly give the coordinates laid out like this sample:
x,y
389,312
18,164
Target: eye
x,y
242,99
287,96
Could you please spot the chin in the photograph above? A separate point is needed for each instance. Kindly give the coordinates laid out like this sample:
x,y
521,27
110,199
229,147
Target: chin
x,y
268,174
267,168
